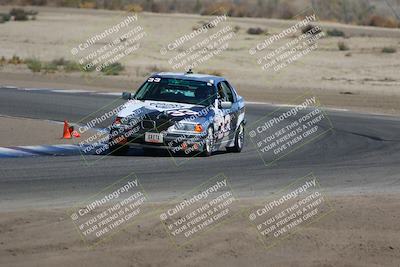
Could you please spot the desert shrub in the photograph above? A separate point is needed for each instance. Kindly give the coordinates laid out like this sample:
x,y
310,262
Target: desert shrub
x,y
255,31
15,60
32,12
19,14
34,65
135,8
343,46
71,3
4,17
71,66
389,50
236,28
37,2
113,69
286,10
335,32
207,25
379,21
87,5
87,68
240,10
311,29
49,67
216,9
59,61
3,61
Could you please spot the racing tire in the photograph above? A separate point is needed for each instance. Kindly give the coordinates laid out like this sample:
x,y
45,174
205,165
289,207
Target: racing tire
x,y
239,140
118,150
150,151
209,143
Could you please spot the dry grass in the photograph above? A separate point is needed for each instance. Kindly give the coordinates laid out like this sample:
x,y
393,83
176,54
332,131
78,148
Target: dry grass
x,y
310,72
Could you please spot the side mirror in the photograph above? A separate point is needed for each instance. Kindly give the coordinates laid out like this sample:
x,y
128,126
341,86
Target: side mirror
x,y
126,95
226,105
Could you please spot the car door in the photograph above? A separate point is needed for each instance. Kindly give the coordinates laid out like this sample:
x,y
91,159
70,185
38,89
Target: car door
x,y
228,122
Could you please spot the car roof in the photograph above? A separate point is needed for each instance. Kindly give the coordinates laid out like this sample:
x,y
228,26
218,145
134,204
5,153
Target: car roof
x,y
189,76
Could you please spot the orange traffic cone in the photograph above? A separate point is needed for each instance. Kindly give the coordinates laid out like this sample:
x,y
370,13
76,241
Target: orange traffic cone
x,y
73,132
66,134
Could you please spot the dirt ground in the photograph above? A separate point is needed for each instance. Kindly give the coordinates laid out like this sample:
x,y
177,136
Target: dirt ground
x,y
362,78
25,132
362,230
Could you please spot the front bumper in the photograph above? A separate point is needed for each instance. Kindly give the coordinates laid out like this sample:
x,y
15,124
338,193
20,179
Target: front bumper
x,y
175,142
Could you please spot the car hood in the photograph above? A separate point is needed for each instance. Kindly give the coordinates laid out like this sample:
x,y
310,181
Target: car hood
x,y
164,110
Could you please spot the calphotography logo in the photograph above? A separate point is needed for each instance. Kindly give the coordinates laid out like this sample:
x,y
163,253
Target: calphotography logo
x,y
285,130
279,50
177,133
103,51
195,49
299,204
110,211
199,211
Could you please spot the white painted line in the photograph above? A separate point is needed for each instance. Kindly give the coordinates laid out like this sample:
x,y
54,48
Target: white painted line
x,y
290,106
66,91
258,103
49,148
34,89
336,109
37,148
9,151
66,146
108,93
55,122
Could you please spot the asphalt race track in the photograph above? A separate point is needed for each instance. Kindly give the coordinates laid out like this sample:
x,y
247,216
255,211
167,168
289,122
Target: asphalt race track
x,y
361,154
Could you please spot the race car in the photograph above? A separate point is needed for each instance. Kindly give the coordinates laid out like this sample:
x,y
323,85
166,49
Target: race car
x,y
181,112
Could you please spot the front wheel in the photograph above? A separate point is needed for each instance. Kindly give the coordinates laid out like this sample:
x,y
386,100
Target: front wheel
x,y
209,143
239,140
119,150
148,151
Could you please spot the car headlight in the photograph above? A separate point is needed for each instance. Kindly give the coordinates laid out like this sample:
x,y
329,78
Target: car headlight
x,y
117,121
188,127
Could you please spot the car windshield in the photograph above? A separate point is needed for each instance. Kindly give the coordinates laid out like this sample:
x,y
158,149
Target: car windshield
x,y
176,90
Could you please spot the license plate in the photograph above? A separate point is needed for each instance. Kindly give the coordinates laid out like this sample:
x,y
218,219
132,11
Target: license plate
x,y
153,138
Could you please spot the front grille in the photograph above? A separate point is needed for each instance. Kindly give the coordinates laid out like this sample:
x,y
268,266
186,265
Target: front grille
x,y
148,124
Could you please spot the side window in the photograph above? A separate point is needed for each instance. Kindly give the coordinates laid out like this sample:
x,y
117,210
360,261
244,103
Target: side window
x,y
231,92
225,92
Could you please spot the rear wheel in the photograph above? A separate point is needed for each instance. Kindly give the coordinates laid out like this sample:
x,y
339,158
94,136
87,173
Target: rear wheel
x,y
209,143
239,140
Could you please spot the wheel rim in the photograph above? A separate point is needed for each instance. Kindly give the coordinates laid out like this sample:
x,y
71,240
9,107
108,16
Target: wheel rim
x,y
209,140
240,136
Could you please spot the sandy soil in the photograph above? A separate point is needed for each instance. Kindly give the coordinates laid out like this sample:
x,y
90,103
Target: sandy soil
x,y
362,78
23,131
362,231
